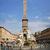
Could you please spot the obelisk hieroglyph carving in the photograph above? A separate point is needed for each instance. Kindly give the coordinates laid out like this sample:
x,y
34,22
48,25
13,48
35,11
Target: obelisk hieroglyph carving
x,y
25,20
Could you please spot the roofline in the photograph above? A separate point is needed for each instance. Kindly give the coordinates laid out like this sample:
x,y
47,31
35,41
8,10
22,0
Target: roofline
x,y
45,29
7,30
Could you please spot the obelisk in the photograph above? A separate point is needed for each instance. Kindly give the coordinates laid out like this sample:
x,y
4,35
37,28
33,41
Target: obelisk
x,y
25,20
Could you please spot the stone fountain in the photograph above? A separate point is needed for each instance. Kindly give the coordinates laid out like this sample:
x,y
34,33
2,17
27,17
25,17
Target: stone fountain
x,y
25,38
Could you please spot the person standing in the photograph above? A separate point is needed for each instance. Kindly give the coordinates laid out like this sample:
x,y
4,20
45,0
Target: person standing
x,y
8,45
0,45
4,45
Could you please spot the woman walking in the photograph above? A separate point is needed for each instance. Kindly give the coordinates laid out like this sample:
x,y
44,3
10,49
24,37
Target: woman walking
x,y
4,45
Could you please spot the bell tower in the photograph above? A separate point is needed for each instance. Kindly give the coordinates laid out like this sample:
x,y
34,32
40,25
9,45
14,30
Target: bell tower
x,y
25,20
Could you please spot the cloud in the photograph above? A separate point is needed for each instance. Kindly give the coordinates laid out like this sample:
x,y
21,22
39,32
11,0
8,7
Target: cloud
x,y
10,16
37,17
49,18
10,21
38,26
48,13
14,26
5,15
2,13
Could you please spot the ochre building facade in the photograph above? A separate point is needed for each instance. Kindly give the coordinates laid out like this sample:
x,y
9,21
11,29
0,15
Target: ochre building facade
x,y
45,35
5,35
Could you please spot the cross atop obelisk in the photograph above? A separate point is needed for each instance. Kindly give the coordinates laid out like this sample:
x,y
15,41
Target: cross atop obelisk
x,y
25,10
25,20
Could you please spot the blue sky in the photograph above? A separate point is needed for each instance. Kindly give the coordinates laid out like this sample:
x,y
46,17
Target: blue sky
x,y
38,14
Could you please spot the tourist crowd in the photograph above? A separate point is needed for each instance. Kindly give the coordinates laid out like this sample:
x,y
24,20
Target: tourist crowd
x,y
5,44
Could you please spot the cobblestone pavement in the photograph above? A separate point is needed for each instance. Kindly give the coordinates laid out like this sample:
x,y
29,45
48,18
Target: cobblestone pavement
x,y
37,47
46,48
6,48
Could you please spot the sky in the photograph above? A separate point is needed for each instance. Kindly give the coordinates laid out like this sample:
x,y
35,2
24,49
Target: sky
x,y
11,15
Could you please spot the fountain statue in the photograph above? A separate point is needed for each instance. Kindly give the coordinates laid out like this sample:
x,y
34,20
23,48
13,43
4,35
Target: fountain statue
x,y
25,38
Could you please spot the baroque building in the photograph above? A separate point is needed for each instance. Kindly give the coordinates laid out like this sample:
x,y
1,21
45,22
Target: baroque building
x,y
45,35
5,35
